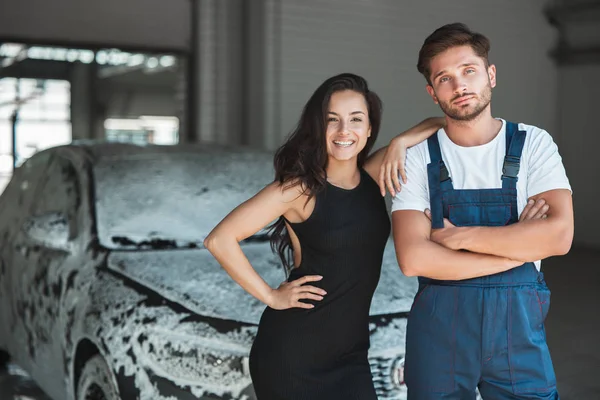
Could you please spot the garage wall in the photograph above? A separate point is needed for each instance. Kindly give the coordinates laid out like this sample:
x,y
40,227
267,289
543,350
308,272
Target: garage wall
x,y
381,39
579,146
578,56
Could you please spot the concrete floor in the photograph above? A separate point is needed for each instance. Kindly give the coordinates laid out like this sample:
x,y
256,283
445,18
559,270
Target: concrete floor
x,y
573,331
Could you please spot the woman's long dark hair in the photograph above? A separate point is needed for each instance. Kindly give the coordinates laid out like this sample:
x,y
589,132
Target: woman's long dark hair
x,y
302,159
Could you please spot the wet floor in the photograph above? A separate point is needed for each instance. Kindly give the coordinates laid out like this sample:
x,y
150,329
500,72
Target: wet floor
x,y
573,330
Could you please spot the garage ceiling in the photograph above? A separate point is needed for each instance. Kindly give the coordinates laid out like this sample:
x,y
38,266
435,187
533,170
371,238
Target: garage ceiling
x,y
162,25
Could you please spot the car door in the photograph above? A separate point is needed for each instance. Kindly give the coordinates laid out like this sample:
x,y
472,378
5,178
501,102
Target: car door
x,y
44,243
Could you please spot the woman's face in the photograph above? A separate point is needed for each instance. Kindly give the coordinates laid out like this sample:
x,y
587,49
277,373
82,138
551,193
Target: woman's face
x,y
347,124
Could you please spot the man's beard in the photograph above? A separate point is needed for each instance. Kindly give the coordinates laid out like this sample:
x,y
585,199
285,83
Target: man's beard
x,y
459,114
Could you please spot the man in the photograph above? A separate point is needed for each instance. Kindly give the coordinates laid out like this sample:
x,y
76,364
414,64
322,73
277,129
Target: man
x,y
477,319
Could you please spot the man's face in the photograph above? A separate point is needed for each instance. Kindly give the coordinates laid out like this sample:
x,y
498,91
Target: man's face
x,y
461,83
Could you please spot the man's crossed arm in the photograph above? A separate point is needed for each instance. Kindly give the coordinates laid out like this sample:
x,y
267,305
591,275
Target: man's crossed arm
x,y
456,253
528,241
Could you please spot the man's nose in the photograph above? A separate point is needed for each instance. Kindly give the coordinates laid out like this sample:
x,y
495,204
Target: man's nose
x,y
460,86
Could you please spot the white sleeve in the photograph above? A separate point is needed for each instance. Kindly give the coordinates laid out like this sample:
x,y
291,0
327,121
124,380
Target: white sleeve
x,y
415,194
545,167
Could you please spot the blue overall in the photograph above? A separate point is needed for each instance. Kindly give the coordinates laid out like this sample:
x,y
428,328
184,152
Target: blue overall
x,y
483,332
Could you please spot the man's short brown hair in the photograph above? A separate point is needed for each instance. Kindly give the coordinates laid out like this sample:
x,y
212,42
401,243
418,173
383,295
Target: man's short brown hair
x,y
446,37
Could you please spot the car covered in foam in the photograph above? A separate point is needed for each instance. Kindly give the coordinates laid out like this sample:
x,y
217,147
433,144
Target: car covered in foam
x,y
107,292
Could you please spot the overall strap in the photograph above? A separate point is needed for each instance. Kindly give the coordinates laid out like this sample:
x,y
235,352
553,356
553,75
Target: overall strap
x,y
515,140
439,180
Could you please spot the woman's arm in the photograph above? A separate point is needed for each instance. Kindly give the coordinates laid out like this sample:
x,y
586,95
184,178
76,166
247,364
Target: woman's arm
x,y
244,221
387,163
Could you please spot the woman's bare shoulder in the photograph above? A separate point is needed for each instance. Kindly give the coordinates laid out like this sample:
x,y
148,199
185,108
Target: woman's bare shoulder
x,y
290,191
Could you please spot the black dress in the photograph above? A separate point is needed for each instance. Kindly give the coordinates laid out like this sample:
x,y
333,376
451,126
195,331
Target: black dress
x,y
321,353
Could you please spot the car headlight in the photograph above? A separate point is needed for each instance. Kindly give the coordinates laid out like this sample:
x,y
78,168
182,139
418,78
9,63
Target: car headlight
x,y
212,363
398,372
388,376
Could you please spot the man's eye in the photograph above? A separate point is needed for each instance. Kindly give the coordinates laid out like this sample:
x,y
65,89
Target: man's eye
x,y
444,79
470,71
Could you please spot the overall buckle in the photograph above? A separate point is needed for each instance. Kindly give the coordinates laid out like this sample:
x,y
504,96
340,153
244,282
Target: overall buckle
x,y
511,166
444,174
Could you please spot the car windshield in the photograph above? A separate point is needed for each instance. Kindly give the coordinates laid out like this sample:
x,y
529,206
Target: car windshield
x,y
171,201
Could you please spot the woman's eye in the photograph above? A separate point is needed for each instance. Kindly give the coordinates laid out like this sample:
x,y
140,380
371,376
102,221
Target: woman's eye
x,y
356,119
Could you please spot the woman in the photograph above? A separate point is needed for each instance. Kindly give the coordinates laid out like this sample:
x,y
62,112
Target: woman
x,y
332,225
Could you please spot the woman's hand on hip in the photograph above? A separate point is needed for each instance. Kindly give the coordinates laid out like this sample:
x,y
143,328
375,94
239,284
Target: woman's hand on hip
x,y
290,294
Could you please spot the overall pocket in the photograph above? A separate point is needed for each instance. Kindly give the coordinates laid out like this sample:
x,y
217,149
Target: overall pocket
x,y
479,214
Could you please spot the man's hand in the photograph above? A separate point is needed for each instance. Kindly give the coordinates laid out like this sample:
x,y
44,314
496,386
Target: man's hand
x,y
534,210
446,236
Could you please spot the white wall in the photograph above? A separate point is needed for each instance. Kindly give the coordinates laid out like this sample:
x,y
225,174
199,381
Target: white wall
x,y
132,23
381,39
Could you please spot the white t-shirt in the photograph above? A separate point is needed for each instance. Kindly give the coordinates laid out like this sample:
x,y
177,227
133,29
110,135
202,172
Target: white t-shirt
x,y
480,167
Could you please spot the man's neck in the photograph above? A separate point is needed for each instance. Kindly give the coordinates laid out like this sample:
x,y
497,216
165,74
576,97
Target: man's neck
x,y
477,132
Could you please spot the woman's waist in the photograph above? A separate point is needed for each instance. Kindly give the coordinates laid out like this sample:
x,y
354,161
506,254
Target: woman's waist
x,y
345,311
338,269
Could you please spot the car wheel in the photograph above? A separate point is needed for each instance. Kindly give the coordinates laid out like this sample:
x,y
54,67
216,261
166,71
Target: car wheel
x,y
96,381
